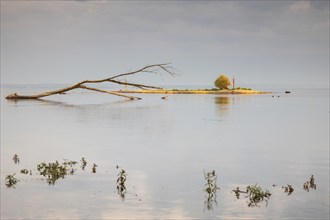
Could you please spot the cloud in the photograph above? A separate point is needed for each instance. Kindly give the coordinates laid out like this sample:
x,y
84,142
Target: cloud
x,y
300,6
101,34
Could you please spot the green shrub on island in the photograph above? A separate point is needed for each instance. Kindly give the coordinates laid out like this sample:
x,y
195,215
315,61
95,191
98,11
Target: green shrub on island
x,y
222,82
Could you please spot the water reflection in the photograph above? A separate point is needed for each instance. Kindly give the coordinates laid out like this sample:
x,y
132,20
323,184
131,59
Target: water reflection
x,y
210,200
162,144
66,102
222,100
223,105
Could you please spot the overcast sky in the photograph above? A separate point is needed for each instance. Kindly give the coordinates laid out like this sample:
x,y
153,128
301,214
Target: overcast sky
x,y
261,42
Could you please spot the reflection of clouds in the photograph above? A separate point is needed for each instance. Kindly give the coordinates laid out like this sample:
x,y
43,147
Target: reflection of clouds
x,y
140,202
231,208
146,210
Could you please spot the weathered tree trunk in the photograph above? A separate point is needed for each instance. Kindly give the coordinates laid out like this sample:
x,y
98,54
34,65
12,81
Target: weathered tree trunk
x,y
155,68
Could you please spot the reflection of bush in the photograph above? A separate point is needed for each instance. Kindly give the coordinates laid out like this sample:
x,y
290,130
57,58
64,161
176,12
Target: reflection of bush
x,y
222,100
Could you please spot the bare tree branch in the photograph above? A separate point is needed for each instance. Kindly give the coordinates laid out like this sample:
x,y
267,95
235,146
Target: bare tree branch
x,y
151,69
155,68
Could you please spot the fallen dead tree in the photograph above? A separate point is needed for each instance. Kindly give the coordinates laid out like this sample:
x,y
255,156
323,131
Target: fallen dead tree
x,y
117,79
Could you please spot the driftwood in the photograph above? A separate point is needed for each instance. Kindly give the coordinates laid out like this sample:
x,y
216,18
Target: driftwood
x,y
155,68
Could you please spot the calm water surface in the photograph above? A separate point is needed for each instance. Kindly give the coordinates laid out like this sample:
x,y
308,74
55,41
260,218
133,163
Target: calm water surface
x,y
164,146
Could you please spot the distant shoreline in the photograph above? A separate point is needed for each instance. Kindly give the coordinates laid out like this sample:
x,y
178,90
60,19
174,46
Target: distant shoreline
x,y
195,91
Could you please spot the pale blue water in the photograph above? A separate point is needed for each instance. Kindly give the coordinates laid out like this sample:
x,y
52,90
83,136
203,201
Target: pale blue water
x,y
164,146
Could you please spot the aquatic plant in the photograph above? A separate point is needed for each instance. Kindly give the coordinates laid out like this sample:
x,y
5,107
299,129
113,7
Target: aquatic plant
x,y
16,159
310,184
288,189
121,189
24,171
238,192
211,182
83,163
70,163
11,181
94,168
211,189
54,171
255,195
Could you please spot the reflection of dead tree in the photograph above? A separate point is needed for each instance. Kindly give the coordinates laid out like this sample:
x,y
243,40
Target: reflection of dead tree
x,y
155,68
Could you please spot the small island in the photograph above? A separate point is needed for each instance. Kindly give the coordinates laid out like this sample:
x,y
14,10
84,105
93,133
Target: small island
x,y
197,91
222,84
